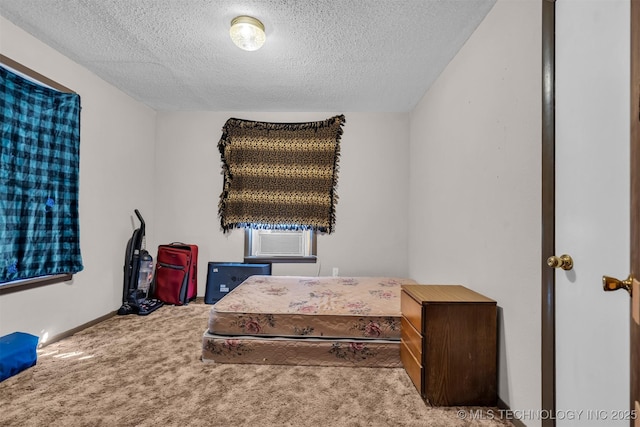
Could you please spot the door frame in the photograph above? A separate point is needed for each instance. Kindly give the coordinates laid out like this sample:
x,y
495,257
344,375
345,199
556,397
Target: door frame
x,y
634,133
548,280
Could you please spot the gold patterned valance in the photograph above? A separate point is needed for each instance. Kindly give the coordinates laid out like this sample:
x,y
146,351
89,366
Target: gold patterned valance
x,y
280,175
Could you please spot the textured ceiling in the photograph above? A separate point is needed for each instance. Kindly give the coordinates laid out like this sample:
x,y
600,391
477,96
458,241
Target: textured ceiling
x,y
320,55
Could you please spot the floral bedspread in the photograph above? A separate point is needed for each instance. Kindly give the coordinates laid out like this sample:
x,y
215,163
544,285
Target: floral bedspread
x,y
343,307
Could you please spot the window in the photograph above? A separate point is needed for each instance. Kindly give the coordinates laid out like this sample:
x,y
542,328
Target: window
x,y
275,245
280,185
39,154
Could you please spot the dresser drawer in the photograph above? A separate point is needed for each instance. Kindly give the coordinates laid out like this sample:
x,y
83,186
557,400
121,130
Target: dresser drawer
x,y
412,338
412,366
411,310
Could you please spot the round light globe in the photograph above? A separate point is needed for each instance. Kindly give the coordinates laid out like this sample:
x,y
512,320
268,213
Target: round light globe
x,y
247,33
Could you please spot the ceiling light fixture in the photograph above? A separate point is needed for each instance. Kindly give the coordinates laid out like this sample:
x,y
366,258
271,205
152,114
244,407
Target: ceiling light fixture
x,y
247,33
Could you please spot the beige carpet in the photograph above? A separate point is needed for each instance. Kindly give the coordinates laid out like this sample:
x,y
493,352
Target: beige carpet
x,y
146,371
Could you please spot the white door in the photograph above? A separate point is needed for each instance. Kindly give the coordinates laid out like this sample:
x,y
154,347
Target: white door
x,y
592,210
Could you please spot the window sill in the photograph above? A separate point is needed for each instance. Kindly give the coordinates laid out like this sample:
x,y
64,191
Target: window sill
x,y
36,282
280,259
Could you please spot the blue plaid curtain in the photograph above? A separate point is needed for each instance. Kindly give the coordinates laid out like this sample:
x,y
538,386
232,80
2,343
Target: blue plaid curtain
x,y
39,165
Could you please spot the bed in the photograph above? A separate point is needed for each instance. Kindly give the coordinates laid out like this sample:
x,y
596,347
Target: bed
x,y
294,320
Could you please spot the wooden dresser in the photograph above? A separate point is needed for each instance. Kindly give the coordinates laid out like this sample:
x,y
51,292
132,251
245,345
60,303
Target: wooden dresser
x,y
448,346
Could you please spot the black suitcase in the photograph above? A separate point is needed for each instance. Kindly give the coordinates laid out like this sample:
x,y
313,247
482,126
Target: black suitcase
x,y
223,277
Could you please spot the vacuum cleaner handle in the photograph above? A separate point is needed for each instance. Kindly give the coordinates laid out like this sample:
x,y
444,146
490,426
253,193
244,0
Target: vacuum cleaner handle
x,y
142,225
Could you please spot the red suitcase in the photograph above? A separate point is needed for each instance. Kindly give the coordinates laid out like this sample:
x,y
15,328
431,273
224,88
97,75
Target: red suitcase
x,y
176,273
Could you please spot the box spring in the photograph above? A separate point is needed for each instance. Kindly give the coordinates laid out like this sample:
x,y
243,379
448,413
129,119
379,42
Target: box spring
x,y
301,351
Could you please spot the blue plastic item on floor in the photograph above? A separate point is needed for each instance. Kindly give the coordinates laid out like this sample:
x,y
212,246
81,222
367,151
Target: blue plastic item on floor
x,y
17,353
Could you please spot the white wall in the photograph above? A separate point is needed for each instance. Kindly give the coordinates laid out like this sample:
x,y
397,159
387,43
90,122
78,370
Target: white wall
x,y
370,236
116,176
475,187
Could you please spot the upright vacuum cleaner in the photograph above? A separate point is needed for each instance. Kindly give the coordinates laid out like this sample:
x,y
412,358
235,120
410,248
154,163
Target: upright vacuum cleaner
x,y
138,274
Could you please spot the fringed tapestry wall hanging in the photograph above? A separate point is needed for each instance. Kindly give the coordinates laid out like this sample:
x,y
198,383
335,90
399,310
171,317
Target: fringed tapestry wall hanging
x,y
39,159
280,175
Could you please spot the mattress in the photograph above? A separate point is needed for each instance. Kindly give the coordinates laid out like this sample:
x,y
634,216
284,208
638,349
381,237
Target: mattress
x,y
311,307
301,351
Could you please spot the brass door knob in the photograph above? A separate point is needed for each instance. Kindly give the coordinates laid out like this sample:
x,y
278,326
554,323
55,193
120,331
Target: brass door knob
x,y
613,284
564,262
